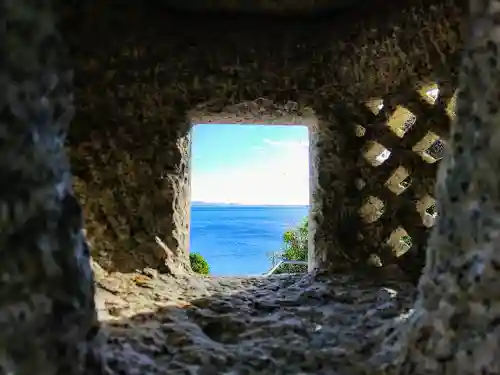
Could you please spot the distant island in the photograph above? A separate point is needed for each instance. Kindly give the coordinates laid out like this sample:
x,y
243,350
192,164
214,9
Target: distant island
x,y
201,203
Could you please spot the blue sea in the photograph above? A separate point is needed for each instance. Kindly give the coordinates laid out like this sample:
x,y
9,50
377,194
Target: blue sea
x,y
234,239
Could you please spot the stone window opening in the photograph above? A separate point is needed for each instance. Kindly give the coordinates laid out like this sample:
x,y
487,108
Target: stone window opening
x,y
430,148
376,154
426,206
372,209
436,150
399,181
399,241
430,93
309,121
375,106
401,121
430,215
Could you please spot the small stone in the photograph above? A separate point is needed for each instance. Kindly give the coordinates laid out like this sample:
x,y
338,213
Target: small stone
x,y
142,281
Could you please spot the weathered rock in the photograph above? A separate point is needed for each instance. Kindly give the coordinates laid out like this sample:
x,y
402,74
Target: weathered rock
x,y
154,73
281,7
279,325
455,327
47,314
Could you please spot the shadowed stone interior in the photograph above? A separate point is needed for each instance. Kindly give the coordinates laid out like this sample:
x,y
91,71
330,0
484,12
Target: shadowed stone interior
x,y
47,308
279,7
154,73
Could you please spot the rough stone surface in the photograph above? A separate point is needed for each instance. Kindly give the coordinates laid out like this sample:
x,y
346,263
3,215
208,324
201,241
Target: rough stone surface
x,y
455,327
330,324
280,7
314,324
47,312
153,73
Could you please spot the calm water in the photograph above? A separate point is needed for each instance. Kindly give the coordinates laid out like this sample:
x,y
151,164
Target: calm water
x,y
235,239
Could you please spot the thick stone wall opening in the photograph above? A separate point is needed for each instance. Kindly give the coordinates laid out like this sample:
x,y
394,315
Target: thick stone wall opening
x,y
154,73
250,114
134,197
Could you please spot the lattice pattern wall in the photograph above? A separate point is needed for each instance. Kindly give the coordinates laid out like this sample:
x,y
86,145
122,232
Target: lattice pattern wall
x,y
404,137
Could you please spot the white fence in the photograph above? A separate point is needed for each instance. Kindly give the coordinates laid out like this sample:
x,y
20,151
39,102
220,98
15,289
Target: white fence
x,y
270,272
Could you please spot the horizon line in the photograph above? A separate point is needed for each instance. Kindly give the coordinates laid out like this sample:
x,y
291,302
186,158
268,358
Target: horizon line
x,y
249,204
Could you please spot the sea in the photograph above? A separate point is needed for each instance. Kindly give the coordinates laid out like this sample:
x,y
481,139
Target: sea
x,y
235,239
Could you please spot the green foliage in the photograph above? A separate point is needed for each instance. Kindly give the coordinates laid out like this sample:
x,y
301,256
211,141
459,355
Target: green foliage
x,y
199,264
406,240
294,248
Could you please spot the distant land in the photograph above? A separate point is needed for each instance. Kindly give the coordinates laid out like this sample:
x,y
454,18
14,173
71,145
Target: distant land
x,y
201,203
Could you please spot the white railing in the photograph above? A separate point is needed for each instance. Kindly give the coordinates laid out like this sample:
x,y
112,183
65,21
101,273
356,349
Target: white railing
x,y
270,272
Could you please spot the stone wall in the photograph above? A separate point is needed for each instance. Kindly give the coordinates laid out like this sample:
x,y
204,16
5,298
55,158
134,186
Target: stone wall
x,y
279,7
143,75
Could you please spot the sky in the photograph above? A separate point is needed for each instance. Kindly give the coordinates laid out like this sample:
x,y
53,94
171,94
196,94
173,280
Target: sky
x,y
250,164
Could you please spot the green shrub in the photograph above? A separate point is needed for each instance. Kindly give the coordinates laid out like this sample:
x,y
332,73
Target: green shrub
x,y
294,248
199,264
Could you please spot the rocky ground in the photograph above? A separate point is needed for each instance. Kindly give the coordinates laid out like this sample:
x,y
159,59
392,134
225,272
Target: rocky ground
x,y
295,324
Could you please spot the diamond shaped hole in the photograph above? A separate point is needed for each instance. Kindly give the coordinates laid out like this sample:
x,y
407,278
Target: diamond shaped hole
x,y
426,207
436,150
428,146
372,209
401,121
375,105
399,181
375,153
400,241
430,93
359,130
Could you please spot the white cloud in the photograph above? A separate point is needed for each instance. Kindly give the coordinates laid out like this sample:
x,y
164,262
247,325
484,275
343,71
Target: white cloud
x,y
279,174
294,145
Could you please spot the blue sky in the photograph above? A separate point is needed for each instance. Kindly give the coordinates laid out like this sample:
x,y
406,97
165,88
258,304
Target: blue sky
x,y
250,164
